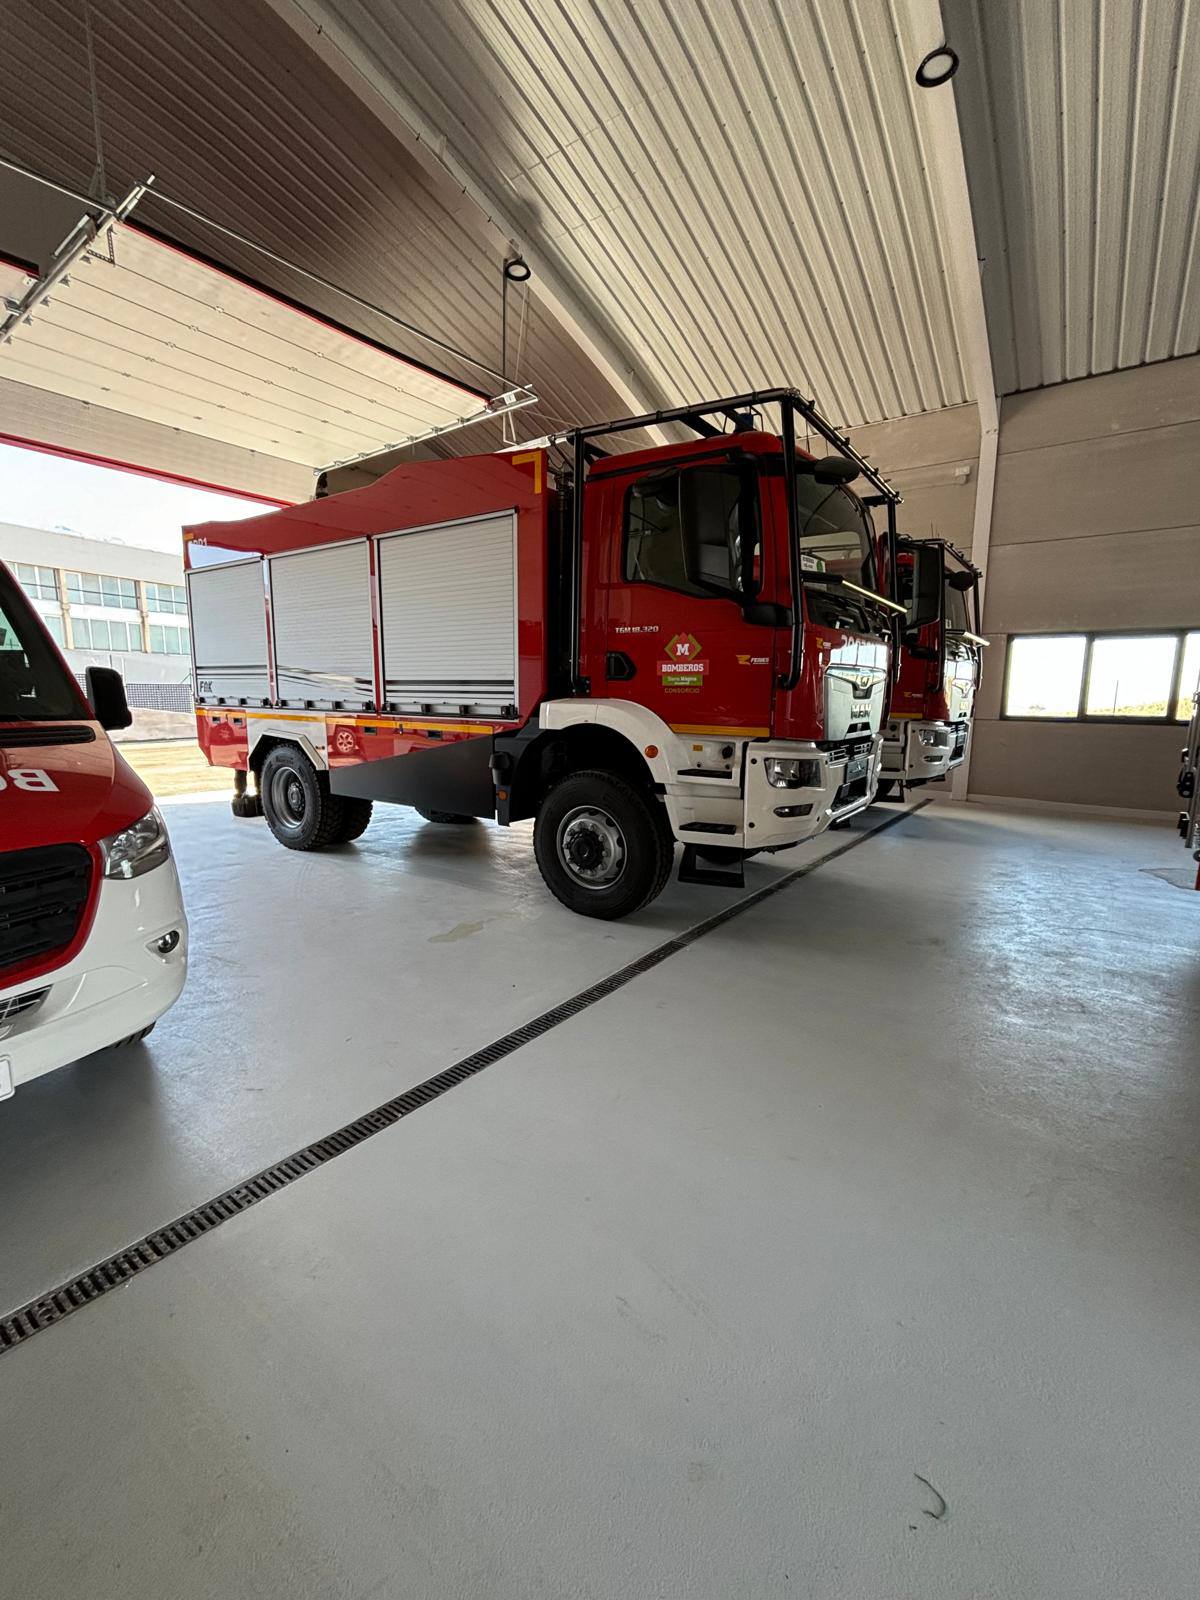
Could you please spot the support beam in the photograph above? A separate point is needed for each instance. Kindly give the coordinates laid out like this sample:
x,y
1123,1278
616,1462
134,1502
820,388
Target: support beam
x,y
941,138
323,31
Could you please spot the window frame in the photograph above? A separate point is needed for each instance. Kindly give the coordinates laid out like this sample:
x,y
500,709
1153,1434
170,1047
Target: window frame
x,y
749,476
1089,637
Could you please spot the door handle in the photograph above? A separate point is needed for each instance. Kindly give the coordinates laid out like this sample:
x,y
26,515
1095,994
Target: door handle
x,y
618,667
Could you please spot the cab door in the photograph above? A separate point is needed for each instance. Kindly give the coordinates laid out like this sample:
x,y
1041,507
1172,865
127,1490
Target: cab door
x,y
688,564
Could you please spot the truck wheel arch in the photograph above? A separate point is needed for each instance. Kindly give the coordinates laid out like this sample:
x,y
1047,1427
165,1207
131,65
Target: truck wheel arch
x,y
267,742
543,760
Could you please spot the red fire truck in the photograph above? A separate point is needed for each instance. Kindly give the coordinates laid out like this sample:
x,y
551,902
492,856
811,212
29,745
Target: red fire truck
x,y
684,642
939,665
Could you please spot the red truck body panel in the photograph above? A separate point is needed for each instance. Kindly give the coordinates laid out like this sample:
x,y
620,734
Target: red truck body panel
x,y
415,495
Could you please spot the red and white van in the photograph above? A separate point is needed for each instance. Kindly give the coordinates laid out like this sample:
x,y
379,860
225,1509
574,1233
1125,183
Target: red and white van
x,y
93,938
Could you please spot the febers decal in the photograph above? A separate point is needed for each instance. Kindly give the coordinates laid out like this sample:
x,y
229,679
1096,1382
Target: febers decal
x,y
681,670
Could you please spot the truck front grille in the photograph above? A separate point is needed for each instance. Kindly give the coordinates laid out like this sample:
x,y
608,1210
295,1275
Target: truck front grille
x,y
43,894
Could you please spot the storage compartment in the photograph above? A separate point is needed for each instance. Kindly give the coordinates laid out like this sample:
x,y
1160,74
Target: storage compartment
x,y
321,614
227,609
448,618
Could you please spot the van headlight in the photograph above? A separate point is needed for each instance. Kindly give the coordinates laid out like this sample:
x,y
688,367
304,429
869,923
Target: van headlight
x,y
139,848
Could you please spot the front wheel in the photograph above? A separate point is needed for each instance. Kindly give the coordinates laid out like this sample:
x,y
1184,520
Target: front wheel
x,y
884,791
602,845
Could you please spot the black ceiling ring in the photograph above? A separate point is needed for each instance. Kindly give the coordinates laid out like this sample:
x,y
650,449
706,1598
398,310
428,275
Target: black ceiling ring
x,y
938,67
517,270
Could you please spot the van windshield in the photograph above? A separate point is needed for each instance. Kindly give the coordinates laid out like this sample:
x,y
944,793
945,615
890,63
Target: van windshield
x,y
34,684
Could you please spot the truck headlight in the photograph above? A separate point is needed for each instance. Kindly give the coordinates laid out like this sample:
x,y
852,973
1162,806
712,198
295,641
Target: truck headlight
x,y
933,736
784,773
139,848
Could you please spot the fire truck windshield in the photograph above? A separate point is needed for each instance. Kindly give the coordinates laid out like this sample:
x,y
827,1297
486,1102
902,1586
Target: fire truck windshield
x,y
33,682
835,533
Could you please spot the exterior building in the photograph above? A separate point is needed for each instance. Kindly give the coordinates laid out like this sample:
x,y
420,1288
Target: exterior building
x,y
113,605
107,604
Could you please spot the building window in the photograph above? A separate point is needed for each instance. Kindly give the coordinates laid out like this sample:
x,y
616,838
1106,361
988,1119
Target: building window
x,y
166,598
166,640
97,633
37,582
54,626
1102,677
1189,678
93,589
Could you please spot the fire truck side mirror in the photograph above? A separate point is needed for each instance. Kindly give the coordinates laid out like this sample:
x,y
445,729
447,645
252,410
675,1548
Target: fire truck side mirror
x,y
830,469
926,603
964,582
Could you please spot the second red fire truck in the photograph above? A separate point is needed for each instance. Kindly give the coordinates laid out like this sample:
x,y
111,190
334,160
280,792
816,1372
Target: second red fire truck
x,y
938,668
681,643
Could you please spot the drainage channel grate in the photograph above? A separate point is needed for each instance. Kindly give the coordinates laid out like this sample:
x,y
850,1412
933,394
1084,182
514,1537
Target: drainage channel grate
x,y
19,1326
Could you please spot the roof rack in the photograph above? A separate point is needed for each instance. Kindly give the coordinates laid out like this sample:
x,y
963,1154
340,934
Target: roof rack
x,y
733,408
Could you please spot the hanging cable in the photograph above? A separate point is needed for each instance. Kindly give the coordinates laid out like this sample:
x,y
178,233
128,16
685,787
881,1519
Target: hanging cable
x,y
99,180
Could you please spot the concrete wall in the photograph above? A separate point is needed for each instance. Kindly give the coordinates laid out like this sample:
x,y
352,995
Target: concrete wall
x,y
1096,525
933,460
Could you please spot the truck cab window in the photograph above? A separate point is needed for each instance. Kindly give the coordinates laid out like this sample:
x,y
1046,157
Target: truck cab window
x,y
835,532
695,530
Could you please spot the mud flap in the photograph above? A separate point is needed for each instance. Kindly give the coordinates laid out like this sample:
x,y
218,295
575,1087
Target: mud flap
x,y
692,870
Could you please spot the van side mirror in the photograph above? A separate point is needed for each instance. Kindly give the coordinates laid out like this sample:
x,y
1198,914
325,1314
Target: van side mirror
x,y
106,695
926,603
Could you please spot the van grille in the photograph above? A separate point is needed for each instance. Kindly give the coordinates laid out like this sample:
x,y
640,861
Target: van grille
x,y
42,898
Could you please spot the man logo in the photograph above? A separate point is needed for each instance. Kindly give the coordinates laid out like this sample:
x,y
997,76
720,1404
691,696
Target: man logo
x,y
34,779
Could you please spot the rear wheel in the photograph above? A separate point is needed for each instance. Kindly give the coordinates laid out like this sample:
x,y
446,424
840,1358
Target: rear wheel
x,y
356,814
602,845
297,803
431,815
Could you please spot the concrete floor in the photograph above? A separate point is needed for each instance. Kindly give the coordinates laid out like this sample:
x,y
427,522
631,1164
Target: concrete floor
x,y
893,1175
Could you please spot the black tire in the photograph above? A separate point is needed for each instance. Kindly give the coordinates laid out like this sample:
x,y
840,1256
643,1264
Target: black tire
x,y
431,815
886,786
356,816
299,808
594,823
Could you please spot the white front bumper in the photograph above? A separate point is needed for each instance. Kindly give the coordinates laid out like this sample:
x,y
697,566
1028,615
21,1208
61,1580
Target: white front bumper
x,y
760,817
812,808
115,986
909,759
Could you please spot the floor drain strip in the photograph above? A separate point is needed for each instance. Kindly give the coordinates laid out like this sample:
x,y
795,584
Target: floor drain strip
x,y
19,1326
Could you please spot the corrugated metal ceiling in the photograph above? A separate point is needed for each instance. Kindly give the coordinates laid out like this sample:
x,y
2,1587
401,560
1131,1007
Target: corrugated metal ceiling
x,y
235,115
734,189
1081,131
736,184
